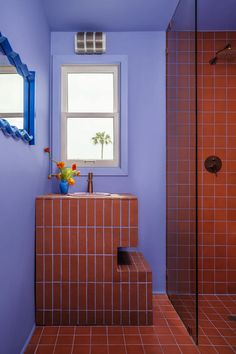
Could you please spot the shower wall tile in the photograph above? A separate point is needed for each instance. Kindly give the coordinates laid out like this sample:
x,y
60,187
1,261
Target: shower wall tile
x,y
217,136
81,278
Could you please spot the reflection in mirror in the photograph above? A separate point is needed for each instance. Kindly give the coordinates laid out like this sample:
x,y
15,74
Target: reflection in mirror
x,y
11,94
17,95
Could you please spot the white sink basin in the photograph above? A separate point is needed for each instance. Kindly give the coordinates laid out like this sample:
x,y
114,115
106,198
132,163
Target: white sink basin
x,y
85,194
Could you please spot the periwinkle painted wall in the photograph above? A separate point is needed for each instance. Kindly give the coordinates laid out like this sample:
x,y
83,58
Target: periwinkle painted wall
x,y
146,119
23,175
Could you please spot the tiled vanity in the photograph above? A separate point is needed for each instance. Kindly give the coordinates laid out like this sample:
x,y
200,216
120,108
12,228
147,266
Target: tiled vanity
x,y
81,276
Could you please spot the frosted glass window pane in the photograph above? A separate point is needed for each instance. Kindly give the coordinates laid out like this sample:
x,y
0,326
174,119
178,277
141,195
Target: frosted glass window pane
x,y
11,93
17,122
90,92
80,132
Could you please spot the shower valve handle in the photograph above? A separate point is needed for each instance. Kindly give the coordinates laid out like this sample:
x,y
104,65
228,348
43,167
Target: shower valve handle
x,y
213,164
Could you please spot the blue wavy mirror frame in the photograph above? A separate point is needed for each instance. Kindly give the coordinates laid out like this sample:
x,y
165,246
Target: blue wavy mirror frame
x,y
28,133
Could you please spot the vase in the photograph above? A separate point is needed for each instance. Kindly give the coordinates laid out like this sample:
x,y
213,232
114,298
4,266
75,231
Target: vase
x,y
64,186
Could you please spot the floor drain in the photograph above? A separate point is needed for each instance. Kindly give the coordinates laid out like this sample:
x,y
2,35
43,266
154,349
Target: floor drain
x,y
232,317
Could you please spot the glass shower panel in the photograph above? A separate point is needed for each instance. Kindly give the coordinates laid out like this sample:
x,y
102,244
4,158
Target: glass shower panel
x,y
182,165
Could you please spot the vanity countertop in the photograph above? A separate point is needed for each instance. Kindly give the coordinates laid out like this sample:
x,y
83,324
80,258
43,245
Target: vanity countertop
x,y
83,195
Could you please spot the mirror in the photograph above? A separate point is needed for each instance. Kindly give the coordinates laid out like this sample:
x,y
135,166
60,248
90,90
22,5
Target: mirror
x,y
16,95
11,94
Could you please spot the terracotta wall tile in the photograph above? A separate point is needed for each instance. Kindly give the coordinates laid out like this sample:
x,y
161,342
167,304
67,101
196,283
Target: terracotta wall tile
x,y
216,136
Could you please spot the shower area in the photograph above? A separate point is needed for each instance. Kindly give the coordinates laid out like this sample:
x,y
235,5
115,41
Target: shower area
x,y
201,170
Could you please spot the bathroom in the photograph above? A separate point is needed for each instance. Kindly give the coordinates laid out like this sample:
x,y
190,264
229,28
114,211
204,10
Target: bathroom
x,y
170,179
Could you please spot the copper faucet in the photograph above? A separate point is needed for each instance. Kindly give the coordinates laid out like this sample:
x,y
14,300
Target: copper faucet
x,y
90,182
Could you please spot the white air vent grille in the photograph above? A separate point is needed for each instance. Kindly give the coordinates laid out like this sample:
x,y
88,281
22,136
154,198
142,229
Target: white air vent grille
x,y
90,42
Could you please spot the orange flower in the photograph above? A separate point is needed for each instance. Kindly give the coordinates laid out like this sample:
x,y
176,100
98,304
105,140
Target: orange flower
x,y
78,173
49,176
47,149
60,164
71,181
73,167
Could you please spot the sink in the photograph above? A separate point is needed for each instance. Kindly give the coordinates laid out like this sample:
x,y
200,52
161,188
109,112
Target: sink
x,y
85,194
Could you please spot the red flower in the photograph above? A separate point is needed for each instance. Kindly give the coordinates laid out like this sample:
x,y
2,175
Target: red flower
x,y
47,149
73,167
60,164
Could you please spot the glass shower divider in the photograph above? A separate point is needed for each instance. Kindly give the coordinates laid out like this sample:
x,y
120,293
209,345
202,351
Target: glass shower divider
x,y
181,274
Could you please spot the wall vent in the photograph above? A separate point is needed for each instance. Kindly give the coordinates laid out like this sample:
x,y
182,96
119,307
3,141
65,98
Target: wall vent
x,y
90,42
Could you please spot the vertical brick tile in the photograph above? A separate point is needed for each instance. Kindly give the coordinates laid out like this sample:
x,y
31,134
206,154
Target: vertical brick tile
x,y
82,212
99,212
39,212
116,212
125,212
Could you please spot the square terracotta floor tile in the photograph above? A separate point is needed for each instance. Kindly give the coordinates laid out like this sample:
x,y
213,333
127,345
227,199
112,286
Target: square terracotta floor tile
x,y
165,339
50,330
63,349
81,349
115,330
131,330
171,349
66,330
183,340
99,349
134,349
101,339
45,349
117,349
116,339
99,330
82,330
152,349
82,340
64,339
207,349
48,340
147,329
149,339
189,349
133,339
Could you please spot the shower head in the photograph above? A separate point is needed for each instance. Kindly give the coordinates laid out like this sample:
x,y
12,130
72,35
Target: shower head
x,y
227,49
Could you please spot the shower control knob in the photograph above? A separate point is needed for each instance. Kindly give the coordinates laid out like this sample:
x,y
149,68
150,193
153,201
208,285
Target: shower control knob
x,y
213,164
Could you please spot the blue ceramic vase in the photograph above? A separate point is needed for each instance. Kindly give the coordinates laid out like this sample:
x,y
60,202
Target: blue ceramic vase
x,y
64,186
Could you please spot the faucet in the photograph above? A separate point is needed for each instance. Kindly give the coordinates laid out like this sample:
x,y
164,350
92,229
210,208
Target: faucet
x,y
90,182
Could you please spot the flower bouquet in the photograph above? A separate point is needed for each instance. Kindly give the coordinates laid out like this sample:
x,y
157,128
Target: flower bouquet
x,y
65,174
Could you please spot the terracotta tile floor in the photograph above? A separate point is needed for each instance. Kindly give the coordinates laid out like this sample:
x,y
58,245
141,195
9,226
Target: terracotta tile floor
x,y
214,326
167,335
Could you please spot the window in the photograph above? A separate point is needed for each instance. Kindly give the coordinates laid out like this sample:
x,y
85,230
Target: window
x,y
11,96
90,124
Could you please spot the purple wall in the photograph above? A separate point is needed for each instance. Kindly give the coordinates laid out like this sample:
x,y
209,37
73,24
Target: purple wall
x,y
146,120
109,16
23,176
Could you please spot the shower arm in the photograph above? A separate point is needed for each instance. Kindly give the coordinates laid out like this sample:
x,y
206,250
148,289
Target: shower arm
x,y
228,46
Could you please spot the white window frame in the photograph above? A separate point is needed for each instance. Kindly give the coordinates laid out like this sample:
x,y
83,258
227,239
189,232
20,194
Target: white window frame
x,y
10,70
91,68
